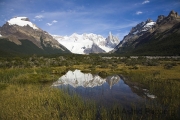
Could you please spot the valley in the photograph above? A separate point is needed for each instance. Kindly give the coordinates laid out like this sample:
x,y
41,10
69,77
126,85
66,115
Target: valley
x,y
28,80
89,76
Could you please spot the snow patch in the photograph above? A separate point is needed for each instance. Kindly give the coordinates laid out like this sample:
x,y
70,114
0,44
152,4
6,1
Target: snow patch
x,y
135,32
150,24
144,27
22,21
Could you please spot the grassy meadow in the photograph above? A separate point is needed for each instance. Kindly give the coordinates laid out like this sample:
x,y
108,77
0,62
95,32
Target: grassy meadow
x,y
26,92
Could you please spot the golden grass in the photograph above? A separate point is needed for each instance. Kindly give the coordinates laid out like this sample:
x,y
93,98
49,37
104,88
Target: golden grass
x,y
40,102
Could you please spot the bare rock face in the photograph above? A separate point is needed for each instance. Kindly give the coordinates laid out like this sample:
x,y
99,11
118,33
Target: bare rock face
x,y
167,22
137,28
14,39
94,49
25,30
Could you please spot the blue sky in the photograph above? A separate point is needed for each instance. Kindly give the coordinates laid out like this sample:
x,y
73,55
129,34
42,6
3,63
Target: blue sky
x,y
65,17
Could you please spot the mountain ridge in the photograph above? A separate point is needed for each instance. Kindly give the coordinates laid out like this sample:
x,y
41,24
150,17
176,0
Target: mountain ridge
x,y
149,37
88,43
160,39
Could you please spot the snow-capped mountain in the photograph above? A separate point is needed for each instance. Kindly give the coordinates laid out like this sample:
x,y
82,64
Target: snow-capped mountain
x,y
77,78
143,26
155,38
88,43
19,29
137,31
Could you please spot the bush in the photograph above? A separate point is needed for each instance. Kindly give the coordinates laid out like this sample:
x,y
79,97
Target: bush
x,y
3,86
103,74
134,67
169,65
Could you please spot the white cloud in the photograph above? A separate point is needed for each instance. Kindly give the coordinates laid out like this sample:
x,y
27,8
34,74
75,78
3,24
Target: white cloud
x,y
39,17
145,2
54,21
138,12
49,24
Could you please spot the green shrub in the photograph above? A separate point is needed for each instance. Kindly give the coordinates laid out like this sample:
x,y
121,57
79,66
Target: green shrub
x,y
103,74
3,86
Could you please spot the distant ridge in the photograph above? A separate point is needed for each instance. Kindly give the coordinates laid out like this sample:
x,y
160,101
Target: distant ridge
x,y
88,43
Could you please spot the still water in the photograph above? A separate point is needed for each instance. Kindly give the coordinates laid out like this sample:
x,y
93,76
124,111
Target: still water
x,y
111,90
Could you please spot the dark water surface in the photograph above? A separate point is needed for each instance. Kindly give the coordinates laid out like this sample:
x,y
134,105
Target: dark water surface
x,y
112,90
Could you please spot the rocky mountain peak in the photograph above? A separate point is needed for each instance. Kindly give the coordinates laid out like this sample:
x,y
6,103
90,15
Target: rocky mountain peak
x,y
142,27
173,14
21,28
160,18
22,21
137,27
167,21
88,43
149,20
136,32
25,19
112,40
149,30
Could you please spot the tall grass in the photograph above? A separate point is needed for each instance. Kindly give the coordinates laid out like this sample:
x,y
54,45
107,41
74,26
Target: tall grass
x,y
39,102
162,82
26,94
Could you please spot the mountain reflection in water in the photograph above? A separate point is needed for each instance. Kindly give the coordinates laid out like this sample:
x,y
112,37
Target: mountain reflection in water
x,y
109,90
77,78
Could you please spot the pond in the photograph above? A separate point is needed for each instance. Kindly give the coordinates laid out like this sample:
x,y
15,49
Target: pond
x,y
111,90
